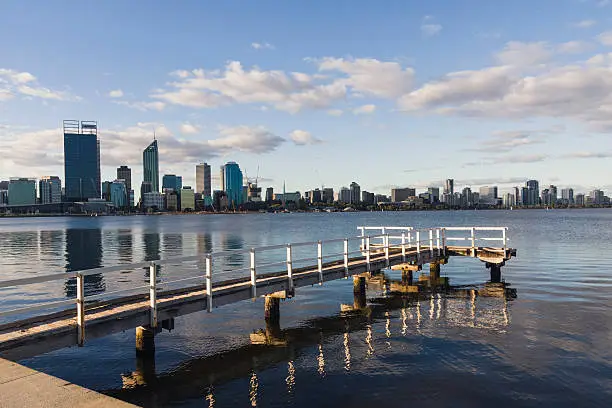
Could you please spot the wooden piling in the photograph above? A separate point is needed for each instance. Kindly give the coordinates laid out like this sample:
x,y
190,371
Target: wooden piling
x,y
272,310
495,272
145,340
359,284
434,270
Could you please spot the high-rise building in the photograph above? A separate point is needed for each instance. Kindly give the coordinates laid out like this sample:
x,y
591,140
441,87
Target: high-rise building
x,y
222,178
567,196
172,182
488,195
150,162
21,191
449,186
467,198
580,201
253,193
345,195
4,197
81,160
187,199
269,194
50,190
4,185
545,197
327,195
153,200
118,194
553,195
533,193
597,197
367,198
402,194
434,194
509,200
203,180
145,187
355,193
316,196
232,178
125,173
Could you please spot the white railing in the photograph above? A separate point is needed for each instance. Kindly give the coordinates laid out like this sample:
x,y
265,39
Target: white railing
x,y
391,238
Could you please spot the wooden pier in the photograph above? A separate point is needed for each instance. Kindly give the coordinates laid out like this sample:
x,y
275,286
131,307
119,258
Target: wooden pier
x,y
377,248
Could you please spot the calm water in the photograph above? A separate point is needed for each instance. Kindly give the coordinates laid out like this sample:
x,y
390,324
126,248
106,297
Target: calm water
x,y
551,346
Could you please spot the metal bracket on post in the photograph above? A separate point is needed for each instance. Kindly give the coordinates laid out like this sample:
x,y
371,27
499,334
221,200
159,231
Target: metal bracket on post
x,y
153,294
368,254
80,302
346,258
403,247
320,261
209,293
253,275
289,268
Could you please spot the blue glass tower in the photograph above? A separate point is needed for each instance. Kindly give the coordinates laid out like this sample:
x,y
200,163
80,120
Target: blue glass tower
x,y
232,178
81,160
150,162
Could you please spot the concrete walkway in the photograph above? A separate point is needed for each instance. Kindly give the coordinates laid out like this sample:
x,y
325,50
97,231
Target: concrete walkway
x,y
23,387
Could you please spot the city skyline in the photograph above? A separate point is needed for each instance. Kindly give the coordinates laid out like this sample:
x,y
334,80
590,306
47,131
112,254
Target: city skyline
x,y
494,102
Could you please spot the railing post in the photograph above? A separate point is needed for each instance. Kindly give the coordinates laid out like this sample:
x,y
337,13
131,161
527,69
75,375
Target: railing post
x,y
153,294
368,253
362,236
289,268
80,301
209,293
504,231
320,261
386,237
431,241
438,240
473,230
346,257
253,275
444,241
418,242
409,239
403,246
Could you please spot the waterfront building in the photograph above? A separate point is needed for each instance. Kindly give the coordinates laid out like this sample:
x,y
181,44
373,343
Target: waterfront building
x,y
467,198
4,197
533,193
567,196
488,195
381,198
232,183
153,200
150,162
327,195
355,193
106,190
402,194
118,194
125,173
203,180
145,187
172,182
269,194
253,193
552,190
288,197
434,194
4,185
171,200
580,200
219,200
367,198
81,160
449,187
344,196
50,190
315,196
21,191
597,197
187,199
509,200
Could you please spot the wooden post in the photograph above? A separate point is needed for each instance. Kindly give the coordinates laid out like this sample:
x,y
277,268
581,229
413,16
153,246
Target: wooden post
x,y
80,301
253,275
346,258
434,270
272,309
403,247
145,340
368,253
359,284
495,272
289,268
153,295
209,292
320,261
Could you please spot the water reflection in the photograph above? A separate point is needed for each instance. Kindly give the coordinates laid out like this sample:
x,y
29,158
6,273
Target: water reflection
x,y
125,245
231,242
84,251
151,246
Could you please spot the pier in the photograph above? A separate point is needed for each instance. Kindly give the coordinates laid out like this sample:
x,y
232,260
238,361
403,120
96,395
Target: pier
x,y
220,278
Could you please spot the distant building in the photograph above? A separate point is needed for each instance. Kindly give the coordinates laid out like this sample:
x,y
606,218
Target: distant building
x,y
118,194
567,196
269,194
106,190
402,194
434,194
381,198
367,198
449,187
203,180
150,162
327,195
467,198
50,190
344,196
4,185
4,197
125,173
580,200
533,193
288,197
81,160
154,200
316,196
219,200
22,191
145,187
552,190
187,199
509,200
171,200
488,195
355,193
253,193
597,197
232,183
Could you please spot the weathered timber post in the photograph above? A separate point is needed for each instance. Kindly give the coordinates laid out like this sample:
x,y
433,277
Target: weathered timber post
x,y
495,271
145,340
359,292
407,277
272,310
434,270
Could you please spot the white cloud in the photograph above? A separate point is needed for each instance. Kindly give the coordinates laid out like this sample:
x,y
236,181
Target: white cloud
x,y
605,38
589,155
331,112
302,137
518,53
584,23
189,129
14,83
431,29
143,106
573,47
246,139
364,110
116,93
262,46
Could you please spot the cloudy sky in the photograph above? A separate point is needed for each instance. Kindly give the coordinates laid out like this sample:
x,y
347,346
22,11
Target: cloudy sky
x,y
385,93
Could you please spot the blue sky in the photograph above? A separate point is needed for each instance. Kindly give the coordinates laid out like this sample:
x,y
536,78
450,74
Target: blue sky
x,y
390,93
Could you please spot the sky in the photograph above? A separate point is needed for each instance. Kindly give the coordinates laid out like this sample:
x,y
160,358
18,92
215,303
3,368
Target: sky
x,y
315,93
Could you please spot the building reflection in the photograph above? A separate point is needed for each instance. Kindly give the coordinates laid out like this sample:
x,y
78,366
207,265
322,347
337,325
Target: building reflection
x,y
125,245
151,246
84,251
231,242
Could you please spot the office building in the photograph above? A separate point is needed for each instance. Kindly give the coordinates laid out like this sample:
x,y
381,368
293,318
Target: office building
x,y
125,173
434,194
580,200
118,194
567,196
4,185
327,195
150,162
219,200
50,190
288,197
269,194
344,196
449,187
21,191
467,198
597,197
552,190
367,198
203,180
145,187
171,200
172,182
187,199
488,195
532,194
232,179
81,160
402,194
315,196
509,200
153,200
253,193
4,197
381,198
355,193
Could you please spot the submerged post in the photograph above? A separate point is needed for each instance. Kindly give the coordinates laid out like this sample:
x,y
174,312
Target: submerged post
x,y
145,340
431,241
495,272
473,230
80,301
418,242
153,295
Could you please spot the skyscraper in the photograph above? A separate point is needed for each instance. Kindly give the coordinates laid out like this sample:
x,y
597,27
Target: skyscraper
x,y
567,196
355,193
125,173
232,178
50,190
81,160
203,182
150,161
449,186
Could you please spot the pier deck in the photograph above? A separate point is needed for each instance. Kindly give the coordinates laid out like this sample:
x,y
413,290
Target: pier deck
x,y
156,308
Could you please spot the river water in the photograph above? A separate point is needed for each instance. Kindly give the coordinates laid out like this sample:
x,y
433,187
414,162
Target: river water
x,y
551,346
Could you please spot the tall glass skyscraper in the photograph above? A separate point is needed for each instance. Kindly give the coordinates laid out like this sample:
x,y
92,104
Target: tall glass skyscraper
x,y
232,178
150,161
81,160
